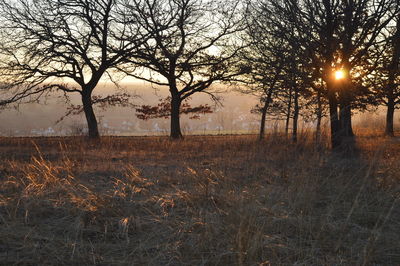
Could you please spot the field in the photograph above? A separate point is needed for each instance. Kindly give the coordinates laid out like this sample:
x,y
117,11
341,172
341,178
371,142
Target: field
x,y
205,200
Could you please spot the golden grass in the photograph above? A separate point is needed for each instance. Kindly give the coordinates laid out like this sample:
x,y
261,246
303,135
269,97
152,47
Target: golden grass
x,y
215,200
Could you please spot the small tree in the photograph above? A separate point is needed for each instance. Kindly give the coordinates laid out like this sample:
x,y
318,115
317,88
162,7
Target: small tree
x,y
265,60
278,66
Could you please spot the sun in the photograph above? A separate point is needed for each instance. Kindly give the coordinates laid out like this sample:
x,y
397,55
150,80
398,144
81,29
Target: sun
x,y
339,74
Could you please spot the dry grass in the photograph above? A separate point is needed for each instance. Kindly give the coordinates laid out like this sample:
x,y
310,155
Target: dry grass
x,y
202,201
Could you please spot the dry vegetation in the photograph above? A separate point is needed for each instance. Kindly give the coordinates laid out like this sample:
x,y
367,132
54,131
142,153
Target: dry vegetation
x,y
226,200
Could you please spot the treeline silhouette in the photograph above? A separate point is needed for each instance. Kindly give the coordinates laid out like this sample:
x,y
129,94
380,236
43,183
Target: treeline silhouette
x,y
301,58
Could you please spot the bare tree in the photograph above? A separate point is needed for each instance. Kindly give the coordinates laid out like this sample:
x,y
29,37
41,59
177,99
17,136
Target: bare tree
x,y
266,59
263,80
393,83
277,61
322,37
67,45
339,35
386,77
189,49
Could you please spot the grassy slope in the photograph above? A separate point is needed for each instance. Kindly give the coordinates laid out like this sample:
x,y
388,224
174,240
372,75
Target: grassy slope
x,y
202,201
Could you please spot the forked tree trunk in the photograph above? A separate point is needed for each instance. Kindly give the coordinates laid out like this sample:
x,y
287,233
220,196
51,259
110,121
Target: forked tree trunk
x,y
90,116
175,118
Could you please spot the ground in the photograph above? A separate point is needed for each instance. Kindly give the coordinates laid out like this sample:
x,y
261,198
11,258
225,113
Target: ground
x,y
205,200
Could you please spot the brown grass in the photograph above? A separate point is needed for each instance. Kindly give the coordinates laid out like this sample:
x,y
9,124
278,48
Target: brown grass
x,y
226,200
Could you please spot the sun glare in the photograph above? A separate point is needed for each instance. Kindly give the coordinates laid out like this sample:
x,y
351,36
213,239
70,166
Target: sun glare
x,y
339,74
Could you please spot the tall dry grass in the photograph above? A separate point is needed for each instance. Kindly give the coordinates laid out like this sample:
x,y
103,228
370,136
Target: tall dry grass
x,y
202,201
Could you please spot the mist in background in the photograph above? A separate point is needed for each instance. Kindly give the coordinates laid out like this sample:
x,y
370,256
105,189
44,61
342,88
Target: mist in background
x,y
40,119
232,117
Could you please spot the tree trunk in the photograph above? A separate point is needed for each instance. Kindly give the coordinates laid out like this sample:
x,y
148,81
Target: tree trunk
x,y
295,115
345,118
336,138
288,113
175,118
90,116
389,131
263,118
319,118
347,145
264,115
349,122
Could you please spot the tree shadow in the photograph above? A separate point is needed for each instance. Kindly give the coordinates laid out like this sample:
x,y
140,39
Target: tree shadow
x,y
348,148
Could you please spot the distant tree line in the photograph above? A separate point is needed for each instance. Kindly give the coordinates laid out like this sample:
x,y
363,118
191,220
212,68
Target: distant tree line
x,y
285,51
